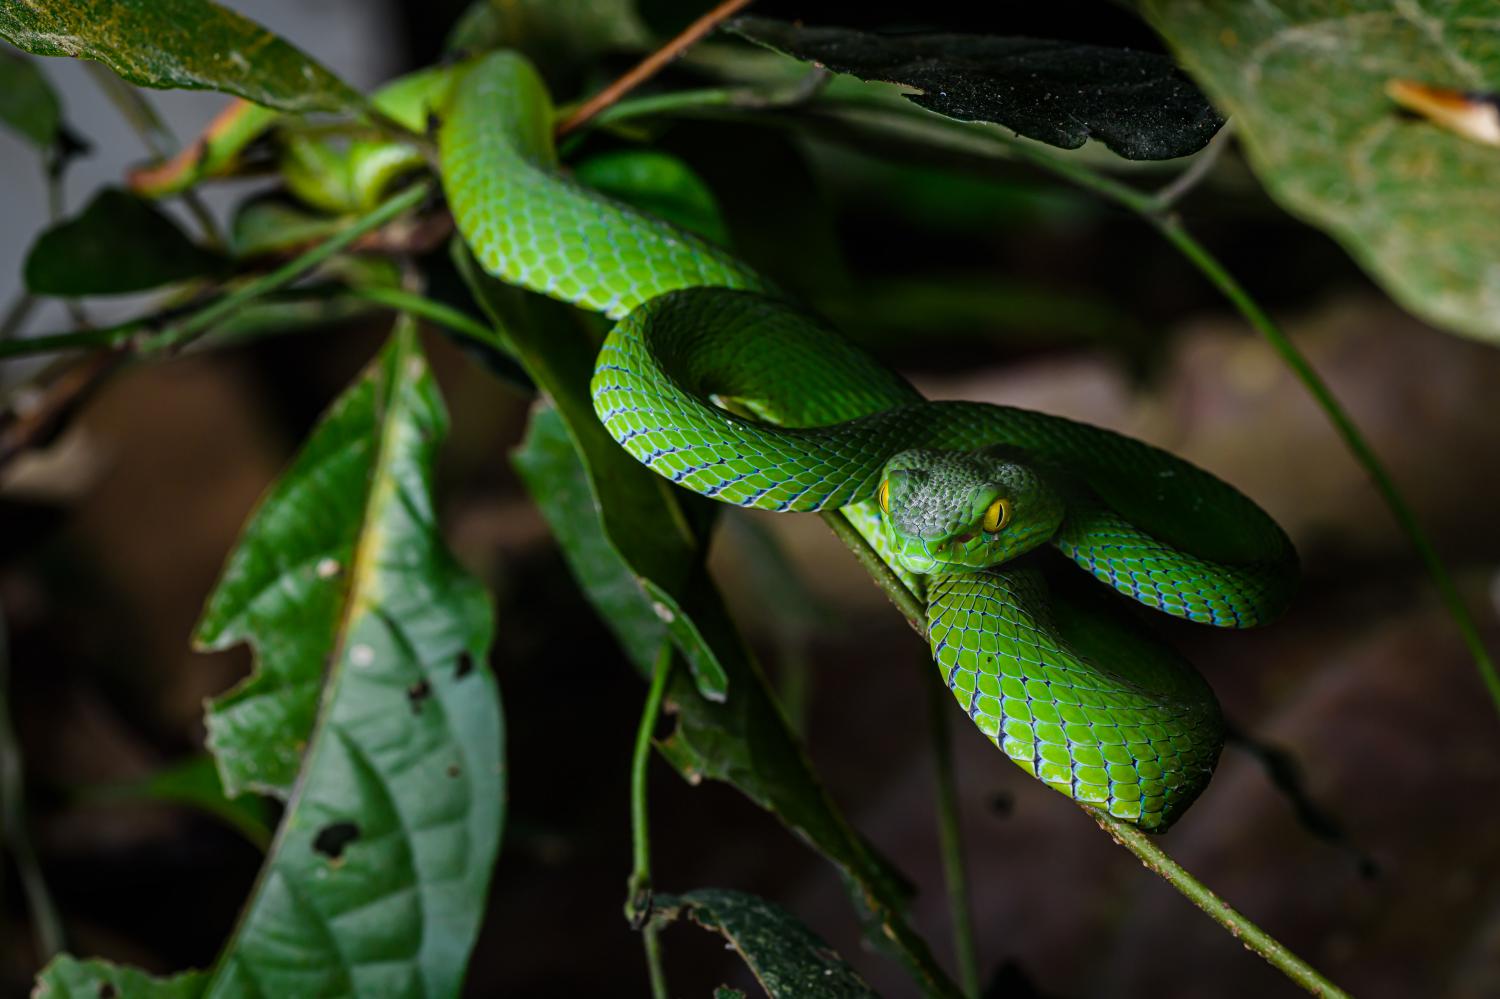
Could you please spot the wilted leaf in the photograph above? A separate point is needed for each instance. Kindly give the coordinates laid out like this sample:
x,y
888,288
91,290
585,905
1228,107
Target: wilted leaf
x,y
788,960
190,44
69,978
28,105
1059,92
1416,204
371,645
116,245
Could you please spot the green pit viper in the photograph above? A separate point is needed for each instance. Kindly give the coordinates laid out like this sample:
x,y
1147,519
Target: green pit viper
x,y
716,381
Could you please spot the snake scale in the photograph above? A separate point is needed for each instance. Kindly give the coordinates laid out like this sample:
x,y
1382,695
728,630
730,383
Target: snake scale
x,y
714,380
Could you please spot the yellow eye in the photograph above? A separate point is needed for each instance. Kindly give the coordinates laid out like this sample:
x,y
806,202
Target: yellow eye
x,y
996,516
884,495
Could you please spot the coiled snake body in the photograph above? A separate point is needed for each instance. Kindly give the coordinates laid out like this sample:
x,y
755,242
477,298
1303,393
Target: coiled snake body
x,y
713,380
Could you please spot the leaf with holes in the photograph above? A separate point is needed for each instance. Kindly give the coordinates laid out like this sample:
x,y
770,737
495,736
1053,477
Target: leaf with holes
x,y
189,44
788,960
1062,93
1414,203
371,644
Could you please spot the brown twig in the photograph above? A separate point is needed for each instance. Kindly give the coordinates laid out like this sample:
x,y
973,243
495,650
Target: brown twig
x,y
31,422
652,64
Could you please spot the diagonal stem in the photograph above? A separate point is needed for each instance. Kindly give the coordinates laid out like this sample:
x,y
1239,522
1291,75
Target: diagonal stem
x,y
1137,842
652,64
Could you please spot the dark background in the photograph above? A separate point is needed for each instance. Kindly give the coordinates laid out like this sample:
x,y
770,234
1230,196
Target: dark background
x,y
1002,287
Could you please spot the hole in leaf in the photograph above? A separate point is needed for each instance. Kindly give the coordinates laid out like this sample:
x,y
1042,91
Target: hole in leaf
x,y
453,770
107,990
332,839
465,665
417,693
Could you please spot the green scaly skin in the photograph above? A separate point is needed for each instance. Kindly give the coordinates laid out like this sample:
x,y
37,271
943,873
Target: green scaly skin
x,y
713,381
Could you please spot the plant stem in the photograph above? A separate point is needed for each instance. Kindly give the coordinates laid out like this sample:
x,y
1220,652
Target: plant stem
x,y
434,311
1137,842
950,837
638,888
1210,267
652,64
178,335
1252,936
155,135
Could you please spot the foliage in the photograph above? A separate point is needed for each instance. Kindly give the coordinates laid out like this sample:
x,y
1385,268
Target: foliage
x,y
372,712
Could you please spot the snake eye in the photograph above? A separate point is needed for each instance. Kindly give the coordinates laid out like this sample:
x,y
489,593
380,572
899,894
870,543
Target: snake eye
x,y
884,495
996,516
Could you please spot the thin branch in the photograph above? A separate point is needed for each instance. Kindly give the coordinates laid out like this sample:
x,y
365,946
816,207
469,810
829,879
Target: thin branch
x,y
159,140
638,888
1252,936
1128,836
652,64
41,416
950,836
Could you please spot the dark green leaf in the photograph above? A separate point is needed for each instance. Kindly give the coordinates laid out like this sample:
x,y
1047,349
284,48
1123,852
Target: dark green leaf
x,y
195,782
1059,92
118,244
1413,202
27,104
658,183
371,646
69,978
548,32
788,959
745,740
665,555
191,44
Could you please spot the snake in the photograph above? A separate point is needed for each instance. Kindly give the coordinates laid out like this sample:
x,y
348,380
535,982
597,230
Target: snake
x,y
714,379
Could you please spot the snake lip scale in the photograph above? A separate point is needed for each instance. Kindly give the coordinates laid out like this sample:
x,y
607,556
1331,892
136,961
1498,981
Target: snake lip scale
x,y
714,380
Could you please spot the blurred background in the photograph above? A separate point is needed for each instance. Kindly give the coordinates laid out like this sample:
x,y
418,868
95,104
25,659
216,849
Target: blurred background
x,y
1000,287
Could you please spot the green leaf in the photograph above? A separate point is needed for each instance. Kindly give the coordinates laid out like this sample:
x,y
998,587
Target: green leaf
x,y
370,644
69,978
1412,202
549,33
195,782
744,741
116,245
188,44
1058,92
28,105
788,960
658,183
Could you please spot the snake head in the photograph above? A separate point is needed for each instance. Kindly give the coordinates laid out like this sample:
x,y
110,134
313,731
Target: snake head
x,y
952,511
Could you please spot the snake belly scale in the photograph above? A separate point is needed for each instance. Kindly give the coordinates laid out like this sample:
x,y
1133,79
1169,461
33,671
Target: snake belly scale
x,y
713,380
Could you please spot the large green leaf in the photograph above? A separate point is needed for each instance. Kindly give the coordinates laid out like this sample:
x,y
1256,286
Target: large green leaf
x,y
27,104
788,959
69,978
1060,92
744,740
371,645
1305,80
191,44
118,244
